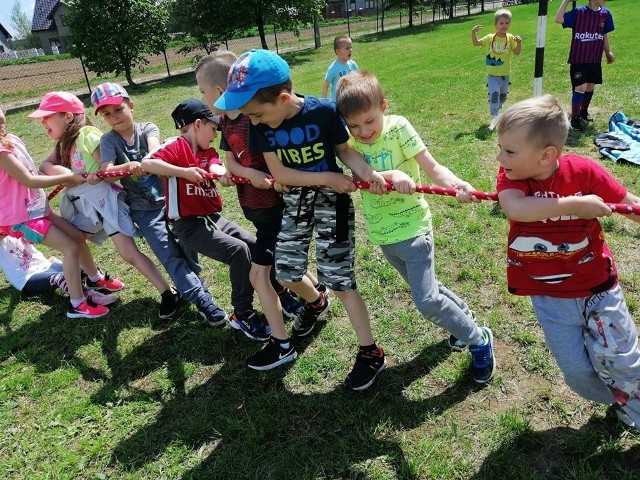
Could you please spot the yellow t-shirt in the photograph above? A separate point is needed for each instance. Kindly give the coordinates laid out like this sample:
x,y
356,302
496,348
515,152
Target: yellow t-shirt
x,y
81,155
394,217
499,52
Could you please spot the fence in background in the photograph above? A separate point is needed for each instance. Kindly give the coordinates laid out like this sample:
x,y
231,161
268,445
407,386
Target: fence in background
x,y
24,84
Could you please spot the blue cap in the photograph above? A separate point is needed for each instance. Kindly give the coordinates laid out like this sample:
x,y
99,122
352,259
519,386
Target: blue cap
x,y
252,71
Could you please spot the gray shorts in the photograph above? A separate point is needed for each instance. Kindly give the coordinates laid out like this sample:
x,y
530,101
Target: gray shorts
x,y
332,216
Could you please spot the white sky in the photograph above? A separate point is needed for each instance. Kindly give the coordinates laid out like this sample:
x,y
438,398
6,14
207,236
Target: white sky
x,y
5,11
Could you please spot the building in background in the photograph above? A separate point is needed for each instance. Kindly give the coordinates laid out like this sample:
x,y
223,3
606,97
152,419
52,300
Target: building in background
x,y
5,36
48,23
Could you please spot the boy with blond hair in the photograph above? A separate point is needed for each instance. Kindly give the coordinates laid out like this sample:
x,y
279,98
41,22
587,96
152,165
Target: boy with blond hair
x,y
557,255
500,45
301,138
402,224
262,205
341,66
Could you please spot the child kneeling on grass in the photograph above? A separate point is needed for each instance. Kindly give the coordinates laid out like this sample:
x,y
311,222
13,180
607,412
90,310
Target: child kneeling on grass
x,y
557,255
401,224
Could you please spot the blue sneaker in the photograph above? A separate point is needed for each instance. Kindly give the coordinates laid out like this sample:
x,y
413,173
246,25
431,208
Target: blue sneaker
x,y
252,324
211,313
291,308
483,362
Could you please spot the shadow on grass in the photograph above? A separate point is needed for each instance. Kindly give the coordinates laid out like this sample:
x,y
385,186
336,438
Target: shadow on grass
x,y
591,452
300,435
52,340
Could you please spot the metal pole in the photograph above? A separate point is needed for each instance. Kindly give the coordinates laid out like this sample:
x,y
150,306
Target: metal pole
x,y
166,62
540,41
348,25
316,31
276,37
86,77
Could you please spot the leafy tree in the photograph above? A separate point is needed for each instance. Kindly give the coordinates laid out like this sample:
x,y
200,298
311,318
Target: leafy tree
x,y
116,35
22,27
210,23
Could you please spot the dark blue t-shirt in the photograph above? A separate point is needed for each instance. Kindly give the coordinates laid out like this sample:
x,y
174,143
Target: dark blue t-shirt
x,y
305,141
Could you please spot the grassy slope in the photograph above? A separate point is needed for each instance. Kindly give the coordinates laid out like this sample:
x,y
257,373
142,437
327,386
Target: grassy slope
x,y
129,397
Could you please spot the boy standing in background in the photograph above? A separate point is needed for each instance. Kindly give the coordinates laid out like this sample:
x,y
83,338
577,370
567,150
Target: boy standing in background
x,y
341,66
589,26
500,46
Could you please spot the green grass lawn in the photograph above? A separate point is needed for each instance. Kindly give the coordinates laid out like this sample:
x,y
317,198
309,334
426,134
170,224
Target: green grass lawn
x,y
130,397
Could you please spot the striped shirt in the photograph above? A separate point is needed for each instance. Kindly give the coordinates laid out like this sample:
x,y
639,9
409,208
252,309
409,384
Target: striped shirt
x,y
589,27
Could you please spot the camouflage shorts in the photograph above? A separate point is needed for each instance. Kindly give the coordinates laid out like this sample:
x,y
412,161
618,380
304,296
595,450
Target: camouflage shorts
x,y
332,216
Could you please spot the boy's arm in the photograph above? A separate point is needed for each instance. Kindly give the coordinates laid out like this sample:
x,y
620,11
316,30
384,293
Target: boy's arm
x,y
518,47
299,178
522,208
607,50
258,178
160,167
359,166
561,11
474,35
325,88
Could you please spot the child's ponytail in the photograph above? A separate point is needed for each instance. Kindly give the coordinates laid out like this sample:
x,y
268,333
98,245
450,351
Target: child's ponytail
x,y
67,141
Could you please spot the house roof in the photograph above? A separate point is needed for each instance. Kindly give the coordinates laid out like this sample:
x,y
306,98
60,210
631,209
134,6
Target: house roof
x,y
53,10
41,11
5,32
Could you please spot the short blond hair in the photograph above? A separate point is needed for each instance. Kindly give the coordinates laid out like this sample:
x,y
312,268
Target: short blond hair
x,y
339,40
215,67
358,92
543,117
503,12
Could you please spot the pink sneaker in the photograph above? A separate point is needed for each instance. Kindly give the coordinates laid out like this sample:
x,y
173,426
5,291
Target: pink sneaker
x,y
101,298
106,284
86,309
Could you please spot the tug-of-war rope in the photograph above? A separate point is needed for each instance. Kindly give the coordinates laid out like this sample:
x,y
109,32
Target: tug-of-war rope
x,y
451,192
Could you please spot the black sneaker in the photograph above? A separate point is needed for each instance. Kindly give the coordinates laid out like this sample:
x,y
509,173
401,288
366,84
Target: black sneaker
x,y
272,356
456,344
483,363
212,314
252,324
168,304
291,308
584,115
303,325
367,367
576,124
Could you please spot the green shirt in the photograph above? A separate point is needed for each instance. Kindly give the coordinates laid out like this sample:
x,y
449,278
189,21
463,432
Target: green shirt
x,y
81,156
394,217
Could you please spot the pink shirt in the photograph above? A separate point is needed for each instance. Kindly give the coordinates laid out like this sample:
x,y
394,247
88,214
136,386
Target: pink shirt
x,y
20,203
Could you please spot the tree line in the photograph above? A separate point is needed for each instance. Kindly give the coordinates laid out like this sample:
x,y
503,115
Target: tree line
x,y
116,36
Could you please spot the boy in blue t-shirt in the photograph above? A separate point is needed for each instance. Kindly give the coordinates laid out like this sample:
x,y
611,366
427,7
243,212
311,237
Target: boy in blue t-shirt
x,y
124,147
300,137
340,67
